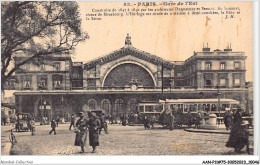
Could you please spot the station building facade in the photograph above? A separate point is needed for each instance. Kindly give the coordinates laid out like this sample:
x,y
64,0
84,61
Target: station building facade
x,y
120,80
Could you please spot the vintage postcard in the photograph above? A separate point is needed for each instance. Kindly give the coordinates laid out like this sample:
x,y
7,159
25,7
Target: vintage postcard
x,y
127,78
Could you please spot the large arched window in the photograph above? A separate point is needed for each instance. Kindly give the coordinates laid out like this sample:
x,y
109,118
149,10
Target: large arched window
x,y
119,106
126,74
105,105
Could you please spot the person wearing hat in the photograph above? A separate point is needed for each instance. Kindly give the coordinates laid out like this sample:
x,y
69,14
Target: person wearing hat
x,y
94,125
53,126
103,124
81,132
238,138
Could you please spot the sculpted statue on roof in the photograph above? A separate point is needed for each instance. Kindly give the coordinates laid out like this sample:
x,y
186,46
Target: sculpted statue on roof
x,y
128,40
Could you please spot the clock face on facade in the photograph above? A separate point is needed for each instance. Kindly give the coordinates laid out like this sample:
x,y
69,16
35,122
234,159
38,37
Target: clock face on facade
x,y
134,87
123,74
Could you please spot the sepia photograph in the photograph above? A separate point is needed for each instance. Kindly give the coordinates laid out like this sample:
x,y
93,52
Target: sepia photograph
x,y
127,78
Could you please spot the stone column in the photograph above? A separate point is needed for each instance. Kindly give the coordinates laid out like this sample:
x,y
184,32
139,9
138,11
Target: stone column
x,y
49,82
34,82
243,82
200,80
20,106
67,80
230,80
85,76
215,80
159,75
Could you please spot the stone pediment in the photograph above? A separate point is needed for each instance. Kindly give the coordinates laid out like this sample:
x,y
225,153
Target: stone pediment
x,y
129,50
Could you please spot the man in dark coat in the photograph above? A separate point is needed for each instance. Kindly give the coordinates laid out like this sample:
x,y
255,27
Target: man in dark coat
x,y
238,138
94,124
103,124
124,119
53,126
81,132
31,125
72,121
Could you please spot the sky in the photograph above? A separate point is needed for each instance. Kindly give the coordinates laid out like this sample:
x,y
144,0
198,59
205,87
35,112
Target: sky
x,y
173,38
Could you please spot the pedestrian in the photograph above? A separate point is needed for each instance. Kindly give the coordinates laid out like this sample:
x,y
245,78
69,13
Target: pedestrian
x,y
228,119
124,119
53,126
4,120
103,124
197,120
121,117
57,120
31,125
81,132
93,131
238,138
72,121
171,121
135,118
189,116
8,120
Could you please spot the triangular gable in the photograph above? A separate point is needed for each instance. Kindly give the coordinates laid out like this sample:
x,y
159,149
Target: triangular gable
x,y
129,50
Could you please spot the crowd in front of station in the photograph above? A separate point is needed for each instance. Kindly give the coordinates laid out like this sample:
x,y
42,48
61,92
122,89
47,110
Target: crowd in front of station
x,y
95,122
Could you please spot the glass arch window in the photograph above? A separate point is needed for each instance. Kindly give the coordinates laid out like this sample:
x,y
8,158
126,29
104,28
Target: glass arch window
x,y
125,74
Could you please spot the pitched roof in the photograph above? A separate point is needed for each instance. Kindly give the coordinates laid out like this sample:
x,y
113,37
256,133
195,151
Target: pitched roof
x,y
129,50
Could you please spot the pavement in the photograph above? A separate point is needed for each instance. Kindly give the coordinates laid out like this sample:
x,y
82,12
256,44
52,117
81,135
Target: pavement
x,y
5,142
121,140
218,131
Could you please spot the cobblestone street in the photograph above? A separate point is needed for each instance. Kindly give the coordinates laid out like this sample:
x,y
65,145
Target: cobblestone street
x,y
128,140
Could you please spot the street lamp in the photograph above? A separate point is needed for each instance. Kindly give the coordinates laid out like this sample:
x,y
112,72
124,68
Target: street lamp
x,y
218,95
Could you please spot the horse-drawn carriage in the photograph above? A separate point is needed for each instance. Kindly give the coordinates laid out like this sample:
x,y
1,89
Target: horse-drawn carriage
x,y
23,122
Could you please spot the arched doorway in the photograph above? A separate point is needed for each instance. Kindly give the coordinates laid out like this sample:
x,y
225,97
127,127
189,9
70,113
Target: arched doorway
x,y
133,106
106,105
44,109
92,104
118,107
62,107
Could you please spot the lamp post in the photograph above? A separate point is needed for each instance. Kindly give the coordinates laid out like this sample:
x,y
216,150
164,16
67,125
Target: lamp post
x,y
218,95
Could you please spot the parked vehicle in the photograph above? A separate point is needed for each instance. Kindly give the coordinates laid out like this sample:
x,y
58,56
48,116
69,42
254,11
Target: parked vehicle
x,y
22,122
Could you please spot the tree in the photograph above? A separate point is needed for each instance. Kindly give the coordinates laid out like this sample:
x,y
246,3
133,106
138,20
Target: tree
x,y
37,30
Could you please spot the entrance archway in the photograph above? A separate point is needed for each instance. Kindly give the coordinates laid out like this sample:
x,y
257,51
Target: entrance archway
x,y
132,106
44,109
106,105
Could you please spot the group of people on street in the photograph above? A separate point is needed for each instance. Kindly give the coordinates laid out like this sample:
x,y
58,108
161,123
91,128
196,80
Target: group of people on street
x,y
126,119
82,127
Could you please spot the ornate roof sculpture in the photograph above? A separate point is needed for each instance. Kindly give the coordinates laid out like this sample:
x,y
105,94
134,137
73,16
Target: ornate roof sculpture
x,y
129,50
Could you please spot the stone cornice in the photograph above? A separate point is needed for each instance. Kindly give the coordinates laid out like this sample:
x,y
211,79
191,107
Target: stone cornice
x,y
129,50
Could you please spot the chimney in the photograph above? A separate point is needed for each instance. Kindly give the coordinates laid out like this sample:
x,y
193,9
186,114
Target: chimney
x,y
228,49
206,49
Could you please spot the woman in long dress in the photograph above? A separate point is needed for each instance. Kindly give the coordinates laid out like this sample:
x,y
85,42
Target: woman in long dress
x,y
81,132
238,138
94,125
